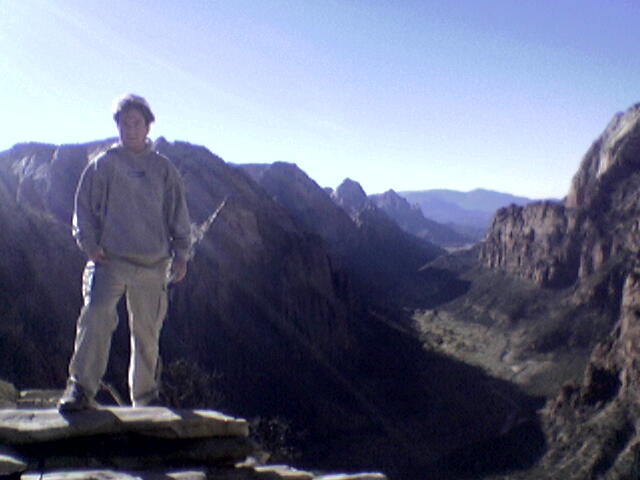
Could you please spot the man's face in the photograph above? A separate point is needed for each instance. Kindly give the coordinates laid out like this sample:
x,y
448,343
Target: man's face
x,y
133,130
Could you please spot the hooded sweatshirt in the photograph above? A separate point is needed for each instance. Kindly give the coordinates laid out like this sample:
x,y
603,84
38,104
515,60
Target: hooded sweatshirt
x,y
133,206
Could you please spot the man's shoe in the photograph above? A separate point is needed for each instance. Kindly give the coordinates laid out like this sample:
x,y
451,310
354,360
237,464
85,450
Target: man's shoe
x,y
74,398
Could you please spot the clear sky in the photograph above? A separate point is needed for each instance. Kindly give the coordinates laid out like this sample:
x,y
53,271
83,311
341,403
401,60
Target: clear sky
x,y
405,94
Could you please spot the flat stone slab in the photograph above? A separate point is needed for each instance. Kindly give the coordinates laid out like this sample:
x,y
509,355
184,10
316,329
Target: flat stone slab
x,y
115,475
18,426
284,472
278,472
354,476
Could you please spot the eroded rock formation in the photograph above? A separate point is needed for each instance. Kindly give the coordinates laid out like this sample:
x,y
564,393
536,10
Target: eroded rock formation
x,y
557,244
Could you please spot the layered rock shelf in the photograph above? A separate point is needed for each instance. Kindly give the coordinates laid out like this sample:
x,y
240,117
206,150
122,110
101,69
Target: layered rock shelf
x,y
135,443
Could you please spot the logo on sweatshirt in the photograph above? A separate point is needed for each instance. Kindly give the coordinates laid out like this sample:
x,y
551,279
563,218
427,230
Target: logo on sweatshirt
x,y
136,173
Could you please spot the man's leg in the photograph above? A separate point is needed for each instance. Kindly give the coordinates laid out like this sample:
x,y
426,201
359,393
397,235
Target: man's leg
x,y
147,307
102,289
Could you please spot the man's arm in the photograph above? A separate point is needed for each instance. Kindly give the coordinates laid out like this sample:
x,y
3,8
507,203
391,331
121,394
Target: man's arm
x,y
86,221
178,269
179,226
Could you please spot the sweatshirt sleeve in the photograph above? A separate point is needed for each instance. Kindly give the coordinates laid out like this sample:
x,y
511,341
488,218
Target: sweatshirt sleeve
x,y
178,221
87,215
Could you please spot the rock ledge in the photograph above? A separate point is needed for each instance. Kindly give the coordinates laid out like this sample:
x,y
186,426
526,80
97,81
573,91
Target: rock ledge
x,y
127,443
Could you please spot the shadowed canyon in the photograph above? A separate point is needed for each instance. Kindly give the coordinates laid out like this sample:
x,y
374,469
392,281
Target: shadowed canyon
x,y
366,343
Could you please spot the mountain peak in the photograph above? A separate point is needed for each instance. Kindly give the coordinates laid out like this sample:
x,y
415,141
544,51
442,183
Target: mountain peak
x,y
612,156
351,196
391,194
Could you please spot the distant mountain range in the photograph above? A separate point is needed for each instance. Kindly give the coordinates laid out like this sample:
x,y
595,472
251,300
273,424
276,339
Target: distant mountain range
x,y
412,220
468,213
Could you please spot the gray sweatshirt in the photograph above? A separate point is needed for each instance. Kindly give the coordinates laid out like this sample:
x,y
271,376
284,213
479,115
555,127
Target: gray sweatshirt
x,y
133,206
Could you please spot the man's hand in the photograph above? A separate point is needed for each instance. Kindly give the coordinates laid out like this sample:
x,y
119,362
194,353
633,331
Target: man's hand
x,y
99,256
178,270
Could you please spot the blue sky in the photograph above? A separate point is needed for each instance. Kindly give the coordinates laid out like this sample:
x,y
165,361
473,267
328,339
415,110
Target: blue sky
x,y
500,94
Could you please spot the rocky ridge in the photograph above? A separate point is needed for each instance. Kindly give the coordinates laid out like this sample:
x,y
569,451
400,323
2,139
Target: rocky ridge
x,y
351,197
412,220
383,261
469,213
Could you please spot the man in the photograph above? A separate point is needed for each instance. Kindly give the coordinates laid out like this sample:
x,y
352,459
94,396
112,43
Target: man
x,y
131,221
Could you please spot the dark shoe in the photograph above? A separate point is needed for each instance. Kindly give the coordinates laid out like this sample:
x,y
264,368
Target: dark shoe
x,y
74,398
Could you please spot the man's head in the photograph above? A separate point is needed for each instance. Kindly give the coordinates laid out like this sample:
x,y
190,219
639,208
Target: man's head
x,y
133,117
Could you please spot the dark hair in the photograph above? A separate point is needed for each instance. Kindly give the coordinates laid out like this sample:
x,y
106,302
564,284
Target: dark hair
x,y
132,102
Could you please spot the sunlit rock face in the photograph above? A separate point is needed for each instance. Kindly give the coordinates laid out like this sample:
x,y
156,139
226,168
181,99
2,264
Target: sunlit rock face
x,y
611,158
532,242
555,244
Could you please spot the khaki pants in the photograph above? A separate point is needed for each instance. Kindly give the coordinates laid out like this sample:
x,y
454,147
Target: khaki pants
x,y
146,296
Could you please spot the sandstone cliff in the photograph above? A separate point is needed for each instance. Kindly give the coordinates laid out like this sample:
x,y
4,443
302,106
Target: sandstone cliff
x,y
557,244
534,242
